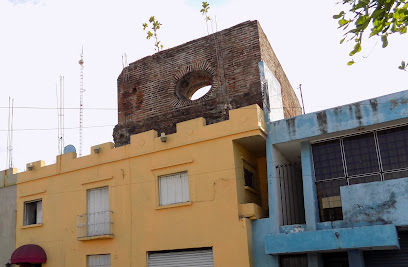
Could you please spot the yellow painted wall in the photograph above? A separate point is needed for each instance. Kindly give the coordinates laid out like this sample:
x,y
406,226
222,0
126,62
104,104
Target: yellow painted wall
x,y
211,218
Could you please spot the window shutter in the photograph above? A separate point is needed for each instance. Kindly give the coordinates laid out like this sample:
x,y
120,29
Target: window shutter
x,y
99,260
98,211
174,189
39,211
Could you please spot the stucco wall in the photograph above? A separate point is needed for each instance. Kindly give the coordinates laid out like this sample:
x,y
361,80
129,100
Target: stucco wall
x,y
384,202
140,225
8,193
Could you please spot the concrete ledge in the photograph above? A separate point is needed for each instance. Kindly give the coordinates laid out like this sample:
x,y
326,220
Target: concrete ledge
x,y
367,237
95,237
251,211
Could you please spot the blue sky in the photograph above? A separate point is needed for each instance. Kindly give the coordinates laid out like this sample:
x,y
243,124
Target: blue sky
x,y
42,40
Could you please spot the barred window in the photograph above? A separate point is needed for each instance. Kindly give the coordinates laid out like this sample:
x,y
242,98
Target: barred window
x,y
375,156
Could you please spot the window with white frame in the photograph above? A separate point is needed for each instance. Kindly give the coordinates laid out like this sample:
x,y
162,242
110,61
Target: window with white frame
x,y
102,260
33,212
174,188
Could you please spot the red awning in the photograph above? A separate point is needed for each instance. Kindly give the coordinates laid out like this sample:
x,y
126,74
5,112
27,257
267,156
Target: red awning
x,y
28,254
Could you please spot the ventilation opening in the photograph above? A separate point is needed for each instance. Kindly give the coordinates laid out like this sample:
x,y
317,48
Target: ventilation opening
x,y
194,85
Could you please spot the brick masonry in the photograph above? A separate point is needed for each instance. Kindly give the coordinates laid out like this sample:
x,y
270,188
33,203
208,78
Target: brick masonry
x,y
150,90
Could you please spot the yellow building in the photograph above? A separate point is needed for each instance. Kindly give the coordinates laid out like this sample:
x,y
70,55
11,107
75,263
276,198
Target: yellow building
x,y
185,197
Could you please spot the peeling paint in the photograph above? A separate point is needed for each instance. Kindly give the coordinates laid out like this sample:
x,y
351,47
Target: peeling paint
x,y
291,125
382,202
374,104
394,103
347,117
322,121
372,213
357,113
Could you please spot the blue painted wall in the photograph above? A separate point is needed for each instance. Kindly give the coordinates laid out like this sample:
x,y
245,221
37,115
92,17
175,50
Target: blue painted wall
x,y
371,224
356,115
383,202
380,236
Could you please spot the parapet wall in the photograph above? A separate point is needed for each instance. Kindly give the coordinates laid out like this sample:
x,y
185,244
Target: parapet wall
x,y
242,122
8,177
8,200
153,92
359,115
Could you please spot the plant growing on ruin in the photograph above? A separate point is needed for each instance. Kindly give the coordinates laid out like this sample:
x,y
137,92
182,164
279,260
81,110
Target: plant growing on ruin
x,y
204,12
155,27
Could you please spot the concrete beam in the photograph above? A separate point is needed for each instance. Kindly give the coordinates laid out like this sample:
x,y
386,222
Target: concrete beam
x,y
367,237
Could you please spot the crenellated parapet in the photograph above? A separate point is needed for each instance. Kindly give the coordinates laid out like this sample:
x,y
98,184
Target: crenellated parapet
x,y
241,122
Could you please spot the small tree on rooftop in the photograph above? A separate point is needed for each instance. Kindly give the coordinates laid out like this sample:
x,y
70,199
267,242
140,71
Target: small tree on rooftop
x,y
155,27
204,11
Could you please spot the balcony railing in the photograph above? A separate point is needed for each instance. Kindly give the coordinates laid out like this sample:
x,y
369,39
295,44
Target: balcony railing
x,y
95,224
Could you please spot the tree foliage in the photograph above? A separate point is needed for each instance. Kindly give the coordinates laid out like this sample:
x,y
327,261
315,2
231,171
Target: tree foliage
x,y
155,27
385,17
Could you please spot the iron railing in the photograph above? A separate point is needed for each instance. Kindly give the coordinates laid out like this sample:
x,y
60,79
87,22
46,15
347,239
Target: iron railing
x,y
95,224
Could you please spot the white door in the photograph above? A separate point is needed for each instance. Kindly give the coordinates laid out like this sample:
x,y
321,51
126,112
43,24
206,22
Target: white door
x,y
182,258
98,212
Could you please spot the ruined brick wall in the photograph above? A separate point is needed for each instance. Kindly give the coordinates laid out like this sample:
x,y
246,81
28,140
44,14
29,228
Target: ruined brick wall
x,y
153,92
291,106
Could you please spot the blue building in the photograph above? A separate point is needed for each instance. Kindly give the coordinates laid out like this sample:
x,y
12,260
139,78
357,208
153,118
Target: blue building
x,y
338,187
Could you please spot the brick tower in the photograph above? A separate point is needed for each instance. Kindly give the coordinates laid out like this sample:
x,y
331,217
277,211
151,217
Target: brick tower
x,y
154,92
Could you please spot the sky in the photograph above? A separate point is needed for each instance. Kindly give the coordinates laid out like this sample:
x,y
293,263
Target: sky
x,y
42,40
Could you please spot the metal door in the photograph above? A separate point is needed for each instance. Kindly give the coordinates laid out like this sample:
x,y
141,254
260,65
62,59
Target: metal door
x,y
182,258
389,258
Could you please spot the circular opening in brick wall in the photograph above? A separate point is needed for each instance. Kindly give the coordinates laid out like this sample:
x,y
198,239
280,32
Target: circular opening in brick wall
x,y
194,85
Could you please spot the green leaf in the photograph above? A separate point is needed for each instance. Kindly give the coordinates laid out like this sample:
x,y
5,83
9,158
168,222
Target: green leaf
x,y
357,48
350,62
403,66
377,13
342,40
384,40
342,22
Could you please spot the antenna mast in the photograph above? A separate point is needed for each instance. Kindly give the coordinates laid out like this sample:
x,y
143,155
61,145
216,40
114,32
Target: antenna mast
x,y
60,113
10,134
81,99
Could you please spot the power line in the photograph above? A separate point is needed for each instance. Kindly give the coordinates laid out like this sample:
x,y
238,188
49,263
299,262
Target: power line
x,y
73,108
53,129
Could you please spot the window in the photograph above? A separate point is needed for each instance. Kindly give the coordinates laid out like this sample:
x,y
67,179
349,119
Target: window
x,y
375,156
250,177
98,217
33,212
173,189
102,260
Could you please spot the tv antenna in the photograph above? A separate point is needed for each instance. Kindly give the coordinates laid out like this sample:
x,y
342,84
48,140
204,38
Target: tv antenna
x,y
81,100
60,112
9,163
